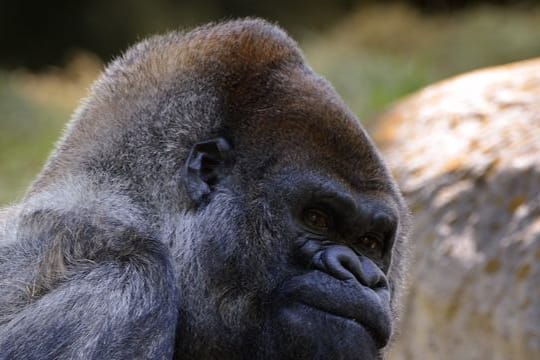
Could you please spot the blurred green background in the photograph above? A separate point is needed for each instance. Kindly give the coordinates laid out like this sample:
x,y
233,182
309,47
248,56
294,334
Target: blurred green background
x,y
374,52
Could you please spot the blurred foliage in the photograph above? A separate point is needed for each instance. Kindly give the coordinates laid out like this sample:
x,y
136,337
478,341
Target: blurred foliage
x,y
379,54
33,109
372,56
36,33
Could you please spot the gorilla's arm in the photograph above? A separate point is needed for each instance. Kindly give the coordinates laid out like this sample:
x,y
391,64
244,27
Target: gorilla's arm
x,y
99,294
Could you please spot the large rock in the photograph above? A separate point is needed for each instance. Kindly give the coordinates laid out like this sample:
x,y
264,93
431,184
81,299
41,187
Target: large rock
x,y
467,155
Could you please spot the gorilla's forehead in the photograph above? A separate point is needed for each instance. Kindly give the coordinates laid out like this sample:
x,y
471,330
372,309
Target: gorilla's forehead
x,y
301,121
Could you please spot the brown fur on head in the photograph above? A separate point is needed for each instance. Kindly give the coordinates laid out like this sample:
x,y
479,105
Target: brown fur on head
x,y
242,69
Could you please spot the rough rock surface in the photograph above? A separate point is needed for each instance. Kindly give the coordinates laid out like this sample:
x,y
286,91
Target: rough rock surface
x,y
467,155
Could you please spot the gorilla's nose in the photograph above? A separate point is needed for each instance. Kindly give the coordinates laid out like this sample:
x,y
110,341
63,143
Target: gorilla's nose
x,y
343,263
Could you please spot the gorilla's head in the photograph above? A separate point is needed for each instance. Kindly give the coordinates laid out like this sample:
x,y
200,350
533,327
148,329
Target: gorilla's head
x,y
285,227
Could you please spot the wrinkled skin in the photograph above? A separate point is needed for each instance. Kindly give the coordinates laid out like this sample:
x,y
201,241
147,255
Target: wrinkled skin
x,y
212,198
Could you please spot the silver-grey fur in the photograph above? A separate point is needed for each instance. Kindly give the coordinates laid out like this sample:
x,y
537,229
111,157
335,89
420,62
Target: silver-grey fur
x,y
108,256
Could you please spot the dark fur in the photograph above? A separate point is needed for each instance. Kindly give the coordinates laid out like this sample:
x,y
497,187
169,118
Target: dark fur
x,y
108,256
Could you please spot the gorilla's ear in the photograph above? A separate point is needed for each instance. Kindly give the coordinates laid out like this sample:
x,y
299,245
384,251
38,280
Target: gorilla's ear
x,y
207,163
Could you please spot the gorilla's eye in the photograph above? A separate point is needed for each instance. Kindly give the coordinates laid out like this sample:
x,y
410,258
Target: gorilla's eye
x,y
372,241
317,220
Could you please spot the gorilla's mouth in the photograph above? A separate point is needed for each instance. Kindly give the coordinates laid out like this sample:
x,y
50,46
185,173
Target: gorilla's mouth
x,y
379,336
336,300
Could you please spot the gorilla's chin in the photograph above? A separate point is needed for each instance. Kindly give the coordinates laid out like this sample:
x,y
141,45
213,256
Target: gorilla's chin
x,y
365,332
306,332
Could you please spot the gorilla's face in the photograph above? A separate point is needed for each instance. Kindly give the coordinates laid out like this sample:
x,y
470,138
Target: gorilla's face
x,y
335,299
296,250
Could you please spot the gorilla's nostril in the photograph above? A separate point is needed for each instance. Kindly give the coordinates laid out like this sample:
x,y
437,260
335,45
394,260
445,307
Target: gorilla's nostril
x,y
372,274
344,264
341,262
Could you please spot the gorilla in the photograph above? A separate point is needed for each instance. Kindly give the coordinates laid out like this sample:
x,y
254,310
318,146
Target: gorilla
x,y
212,198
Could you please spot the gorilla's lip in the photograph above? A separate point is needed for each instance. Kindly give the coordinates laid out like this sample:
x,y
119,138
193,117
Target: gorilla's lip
x,y
379,337
347,300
